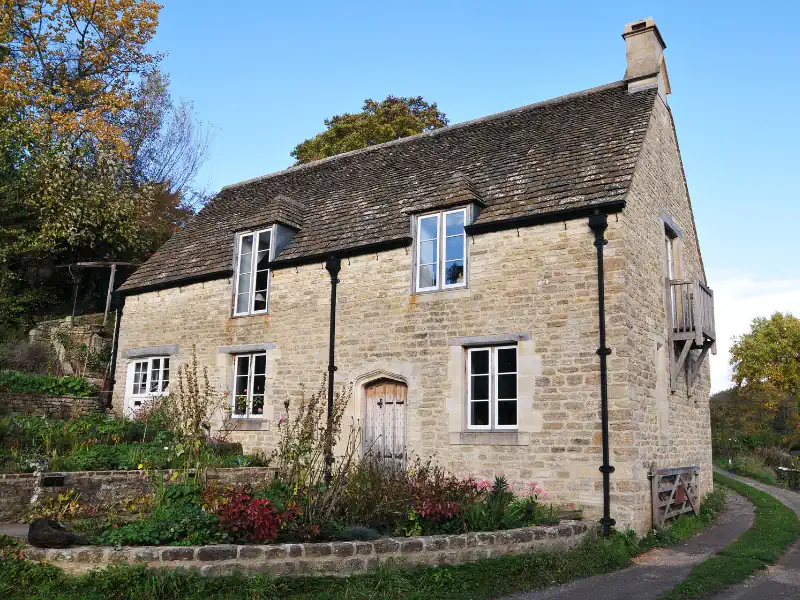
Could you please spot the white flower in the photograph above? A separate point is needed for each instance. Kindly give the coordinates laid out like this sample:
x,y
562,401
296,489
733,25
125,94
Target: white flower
x,y
166,447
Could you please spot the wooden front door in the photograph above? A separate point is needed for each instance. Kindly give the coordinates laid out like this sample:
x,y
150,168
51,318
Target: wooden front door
x,y
385,428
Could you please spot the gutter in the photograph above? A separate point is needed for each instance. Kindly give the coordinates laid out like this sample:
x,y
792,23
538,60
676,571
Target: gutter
x,y
598,223
115,348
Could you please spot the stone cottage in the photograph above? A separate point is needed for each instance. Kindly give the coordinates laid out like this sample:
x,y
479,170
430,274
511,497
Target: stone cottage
x,y
461,266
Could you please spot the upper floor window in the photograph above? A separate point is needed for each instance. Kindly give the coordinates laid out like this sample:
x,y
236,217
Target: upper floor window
x,y
249,385
441,251
492,388
253,253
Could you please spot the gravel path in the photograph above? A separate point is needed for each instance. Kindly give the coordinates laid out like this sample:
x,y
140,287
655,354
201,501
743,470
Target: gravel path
x,y
659,570
780,581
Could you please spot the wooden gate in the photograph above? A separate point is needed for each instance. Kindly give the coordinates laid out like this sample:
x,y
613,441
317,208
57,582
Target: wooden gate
x,y
385,426
675,492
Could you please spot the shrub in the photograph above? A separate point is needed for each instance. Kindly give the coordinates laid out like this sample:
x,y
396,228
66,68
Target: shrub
x,y
774,457
252,519
27,356
171,524
15,381
752,466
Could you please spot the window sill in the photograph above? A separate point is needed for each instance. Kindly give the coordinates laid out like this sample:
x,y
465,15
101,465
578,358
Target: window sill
x,y
245,424
439,295
490,438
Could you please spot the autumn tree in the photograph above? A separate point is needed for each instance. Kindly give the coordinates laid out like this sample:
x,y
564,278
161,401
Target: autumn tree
x,y
766,371
97,160
378,122
72,64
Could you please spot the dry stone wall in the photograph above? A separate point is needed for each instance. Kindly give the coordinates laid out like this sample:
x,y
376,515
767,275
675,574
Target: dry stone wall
x,y
103,488
42,405
337,558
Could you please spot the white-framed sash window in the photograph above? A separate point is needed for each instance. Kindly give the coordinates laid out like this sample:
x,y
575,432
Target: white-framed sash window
x,y
441,251
249,385
252,277
492,398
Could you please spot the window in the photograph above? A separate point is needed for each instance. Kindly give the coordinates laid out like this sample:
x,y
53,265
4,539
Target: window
x,y
149,377
492,388
441,251
252,272
250,380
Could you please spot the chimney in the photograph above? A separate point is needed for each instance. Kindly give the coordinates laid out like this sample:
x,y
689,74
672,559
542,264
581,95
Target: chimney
x,y
644,51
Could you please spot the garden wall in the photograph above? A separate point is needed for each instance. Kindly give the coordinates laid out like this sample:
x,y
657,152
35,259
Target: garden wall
x,y
42,405
102,488
337,558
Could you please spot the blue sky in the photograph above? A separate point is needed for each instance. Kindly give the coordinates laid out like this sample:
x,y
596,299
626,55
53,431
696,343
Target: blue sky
x,y
265,75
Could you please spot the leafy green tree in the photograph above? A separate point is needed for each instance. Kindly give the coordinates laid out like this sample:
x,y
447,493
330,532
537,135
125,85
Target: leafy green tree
x,y
768,358
766,371
378,122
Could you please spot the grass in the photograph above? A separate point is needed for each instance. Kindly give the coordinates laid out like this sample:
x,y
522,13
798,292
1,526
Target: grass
x,y
748,465
774,529
484,579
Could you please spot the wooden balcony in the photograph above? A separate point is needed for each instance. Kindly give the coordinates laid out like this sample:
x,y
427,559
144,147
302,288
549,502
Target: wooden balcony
x,y
690,315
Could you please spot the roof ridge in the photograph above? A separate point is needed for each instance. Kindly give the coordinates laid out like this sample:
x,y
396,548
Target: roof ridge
x,y
434,132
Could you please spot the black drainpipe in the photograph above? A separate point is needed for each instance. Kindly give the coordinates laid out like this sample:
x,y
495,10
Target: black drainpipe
x,y
333,265
598,224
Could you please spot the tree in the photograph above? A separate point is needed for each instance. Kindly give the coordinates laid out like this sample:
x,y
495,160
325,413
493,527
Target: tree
x,y
72,64
766,372
768,358
378,122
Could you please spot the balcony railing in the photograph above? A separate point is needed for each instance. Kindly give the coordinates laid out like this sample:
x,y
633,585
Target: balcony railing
x,y
691,311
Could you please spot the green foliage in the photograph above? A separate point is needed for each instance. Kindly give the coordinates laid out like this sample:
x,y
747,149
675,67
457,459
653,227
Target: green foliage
x,y
775,528
688,525
768,358
378,122
753,467
175,524
15,381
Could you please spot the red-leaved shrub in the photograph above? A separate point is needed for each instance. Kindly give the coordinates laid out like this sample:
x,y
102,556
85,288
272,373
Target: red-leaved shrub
x,y
255,519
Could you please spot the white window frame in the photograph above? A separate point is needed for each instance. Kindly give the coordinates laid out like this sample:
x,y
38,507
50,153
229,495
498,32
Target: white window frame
x,y
133,394
441,250
495,370
252,275
470,401
494,379
248,414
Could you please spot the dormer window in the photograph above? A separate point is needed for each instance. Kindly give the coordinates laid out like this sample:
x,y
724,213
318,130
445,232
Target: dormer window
x,y
441,251
251,282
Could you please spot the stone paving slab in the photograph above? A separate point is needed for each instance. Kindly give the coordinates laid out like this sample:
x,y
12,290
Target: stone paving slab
x,y
17,530
658,571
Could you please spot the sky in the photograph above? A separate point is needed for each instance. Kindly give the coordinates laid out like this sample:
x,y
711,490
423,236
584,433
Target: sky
x,y
264,75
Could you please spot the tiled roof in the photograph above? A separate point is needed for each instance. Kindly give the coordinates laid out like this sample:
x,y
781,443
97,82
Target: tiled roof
x,y
570,153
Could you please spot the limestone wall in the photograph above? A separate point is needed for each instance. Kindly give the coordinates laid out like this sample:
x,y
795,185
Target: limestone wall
x,y
42,405
539,282
668,429
337,558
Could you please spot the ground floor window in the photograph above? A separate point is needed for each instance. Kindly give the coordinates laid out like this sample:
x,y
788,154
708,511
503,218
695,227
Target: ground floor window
x,y
492,388
149,377
250,380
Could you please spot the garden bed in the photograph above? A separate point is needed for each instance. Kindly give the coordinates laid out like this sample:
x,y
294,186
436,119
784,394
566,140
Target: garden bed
x,y
335,558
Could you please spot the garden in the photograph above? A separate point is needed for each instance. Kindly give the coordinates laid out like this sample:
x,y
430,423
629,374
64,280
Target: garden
x,y
313,495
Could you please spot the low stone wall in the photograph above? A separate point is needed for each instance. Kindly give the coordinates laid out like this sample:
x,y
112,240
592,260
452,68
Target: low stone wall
x,y
337,558
42,405
103,488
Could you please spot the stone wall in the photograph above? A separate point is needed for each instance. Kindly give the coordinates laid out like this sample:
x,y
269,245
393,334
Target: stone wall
x,y
663,428
338,558
103,488
42,405
538,283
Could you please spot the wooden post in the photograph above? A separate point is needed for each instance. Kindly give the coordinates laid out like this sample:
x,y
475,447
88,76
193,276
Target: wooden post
x,y
110,291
